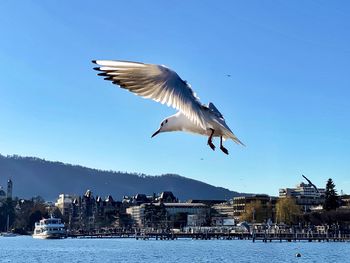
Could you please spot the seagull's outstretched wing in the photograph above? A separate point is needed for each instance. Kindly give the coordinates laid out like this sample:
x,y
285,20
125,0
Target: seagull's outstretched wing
x,y
212,107
154,82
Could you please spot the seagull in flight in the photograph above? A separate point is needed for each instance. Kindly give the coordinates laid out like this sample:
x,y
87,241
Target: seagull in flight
x,y
160,83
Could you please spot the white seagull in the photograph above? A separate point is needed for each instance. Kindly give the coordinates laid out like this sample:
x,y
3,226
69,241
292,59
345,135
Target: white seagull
x,y
160,83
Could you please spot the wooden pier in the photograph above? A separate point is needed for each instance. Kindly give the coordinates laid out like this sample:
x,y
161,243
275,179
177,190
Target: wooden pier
x,y
258,236
294,237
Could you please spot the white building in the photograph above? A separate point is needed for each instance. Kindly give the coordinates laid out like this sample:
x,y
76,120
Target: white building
x,y
306,195
64,203
137,214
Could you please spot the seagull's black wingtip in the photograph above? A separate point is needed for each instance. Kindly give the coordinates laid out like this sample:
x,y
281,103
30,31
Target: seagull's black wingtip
x,y
97,68
94,61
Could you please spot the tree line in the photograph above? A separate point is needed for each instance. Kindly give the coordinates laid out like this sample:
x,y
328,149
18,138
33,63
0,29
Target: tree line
x,y
20,215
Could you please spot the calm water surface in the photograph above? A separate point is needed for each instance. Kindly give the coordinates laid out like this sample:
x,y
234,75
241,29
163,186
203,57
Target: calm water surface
x,y
27,249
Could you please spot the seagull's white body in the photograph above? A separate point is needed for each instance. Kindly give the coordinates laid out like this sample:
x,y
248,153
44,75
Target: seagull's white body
x,y
181,123
165,86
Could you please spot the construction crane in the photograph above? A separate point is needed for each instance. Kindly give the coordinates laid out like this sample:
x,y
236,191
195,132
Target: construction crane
x,y
314,186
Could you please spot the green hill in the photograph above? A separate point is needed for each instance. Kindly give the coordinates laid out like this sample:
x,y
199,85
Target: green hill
x,y
33,176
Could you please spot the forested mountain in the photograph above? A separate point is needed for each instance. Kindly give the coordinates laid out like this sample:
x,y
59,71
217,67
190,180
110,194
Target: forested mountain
x,y
33,176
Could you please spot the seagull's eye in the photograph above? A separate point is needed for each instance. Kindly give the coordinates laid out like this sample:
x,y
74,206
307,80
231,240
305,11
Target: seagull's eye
x,y
161,124
166,121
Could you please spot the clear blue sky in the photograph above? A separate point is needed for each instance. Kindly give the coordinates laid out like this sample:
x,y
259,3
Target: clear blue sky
x,y
287,98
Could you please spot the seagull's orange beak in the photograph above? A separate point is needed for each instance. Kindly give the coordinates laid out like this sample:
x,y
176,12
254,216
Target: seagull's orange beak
x,y
154,134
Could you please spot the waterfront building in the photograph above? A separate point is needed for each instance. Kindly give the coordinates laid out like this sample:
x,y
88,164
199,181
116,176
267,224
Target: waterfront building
x,y
164,215
221,221
188,208
110,212
209,202
224,209
85,210
88,213
222,213
196,220
167,197
64,204
306,195
345,201
138,199
267,203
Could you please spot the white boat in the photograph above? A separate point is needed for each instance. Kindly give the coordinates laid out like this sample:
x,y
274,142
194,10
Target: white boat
x,y
50,228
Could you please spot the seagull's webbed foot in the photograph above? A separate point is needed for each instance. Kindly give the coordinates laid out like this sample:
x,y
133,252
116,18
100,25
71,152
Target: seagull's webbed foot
x,y
212,146
210,142
222,148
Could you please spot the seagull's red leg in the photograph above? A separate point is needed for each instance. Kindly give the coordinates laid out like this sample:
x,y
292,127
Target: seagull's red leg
x,y
222,148
210,142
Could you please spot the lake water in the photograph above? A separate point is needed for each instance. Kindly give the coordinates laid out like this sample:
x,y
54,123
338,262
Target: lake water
x,y
27,249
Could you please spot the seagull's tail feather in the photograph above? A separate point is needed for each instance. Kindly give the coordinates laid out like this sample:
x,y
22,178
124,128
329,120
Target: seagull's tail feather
x,y
233,137
236,140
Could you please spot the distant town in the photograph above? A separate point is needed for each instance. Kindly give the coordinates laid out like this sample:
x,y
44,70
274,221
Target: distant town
x,y
305,207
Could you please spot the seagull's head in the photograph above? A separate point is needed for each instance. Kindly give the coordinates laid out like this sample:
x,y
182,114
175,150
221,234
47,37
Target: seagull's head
x,y
164,127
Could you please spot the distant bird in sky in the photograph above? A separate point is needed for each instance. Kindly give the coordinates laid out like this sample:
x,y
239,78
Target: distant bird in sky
x,y
159,83
228,75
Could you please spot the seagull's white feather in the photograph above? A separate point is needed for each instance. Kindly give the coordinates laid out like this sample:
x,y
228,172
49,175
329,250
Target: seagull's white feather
x,y
155,82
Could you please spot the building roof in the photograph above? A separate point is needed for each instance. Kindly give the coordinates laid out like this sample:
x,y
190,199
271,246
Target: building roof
x,y
178,204
207,202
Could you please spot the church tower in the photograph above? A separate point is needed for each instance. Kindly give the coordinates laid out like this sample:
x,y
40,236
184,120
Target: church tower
x,y
9,188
